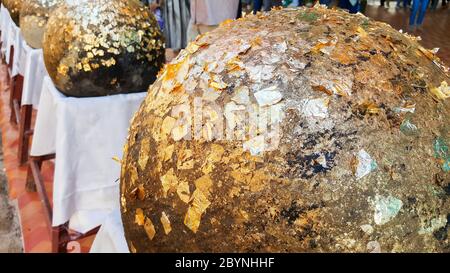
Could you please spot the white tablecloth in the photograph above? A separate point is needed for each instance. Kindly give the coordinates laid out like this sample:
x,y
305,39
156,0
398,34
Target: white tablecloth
x,y
33,69
110,238
5,26
16,41
3,15
85,133
11,37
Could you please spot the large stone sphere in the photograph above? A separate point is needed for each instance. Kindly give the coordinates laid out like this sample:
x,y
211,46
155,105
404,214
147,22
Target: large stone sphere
x,y
14,7
296,130
33,20
102,47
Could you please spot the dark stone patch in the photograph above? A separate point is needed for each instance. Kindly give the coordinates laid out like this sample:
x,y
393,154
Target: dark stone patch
x,y
307,162
295,210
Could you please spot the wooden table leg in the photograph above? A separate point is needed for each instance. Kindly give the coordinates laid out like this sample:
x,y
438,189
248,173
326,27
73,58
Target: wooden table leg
x,y
60,234
35,164
15,98
24,132
60,238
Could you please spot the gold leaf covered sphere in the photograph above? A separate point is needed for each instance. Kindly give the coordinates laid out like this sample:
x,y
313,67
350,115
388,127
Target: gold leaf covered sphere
x,y
33,20
14,7
102,47
296,130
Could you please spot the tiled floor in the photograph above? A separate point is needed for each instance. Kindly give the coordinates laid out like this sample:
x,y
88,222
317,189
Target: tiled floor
x,y
435,31
35,231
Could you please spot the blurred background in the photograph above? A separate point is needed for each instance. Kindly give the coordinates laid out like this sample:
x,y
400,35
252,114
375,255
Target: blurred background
x,y
425,18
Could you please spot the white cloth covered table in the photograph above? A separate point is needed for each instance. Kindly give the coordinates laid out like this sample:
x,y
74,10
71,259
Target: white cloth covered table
x,y
111,237
6,27
85,133
16,41
33,70
11,36
4,14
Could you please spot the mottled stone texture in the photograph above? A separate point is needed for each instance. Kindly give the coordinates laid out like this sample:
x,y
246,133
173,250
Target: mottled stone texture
x,y
362,159
102,47
14,7
33,20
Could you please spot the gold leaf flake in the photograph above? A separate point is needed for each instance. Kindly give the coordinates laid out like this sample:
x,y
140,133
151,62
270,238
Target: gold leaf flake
x,y
427,53
217,152
138,192
200,200
133,249
219,85
257,181
149,228
185,160
167,125
139,217
234,65
442,92
144,153
192,219
244,214
361,32
63,69
166,223
123,202
141,192
194,214
257,41
204,184
194,47
133,175
167,153
168,181
226,22
321,88
117,159
86,67
177,71
370,108
184,192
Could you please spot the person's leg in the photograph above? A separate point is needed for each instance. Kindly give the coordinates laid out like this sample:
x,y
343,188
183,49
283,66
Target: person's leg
x,y
434,4
239,12
415,8
325,2
423,9
354,8
257,6
267,5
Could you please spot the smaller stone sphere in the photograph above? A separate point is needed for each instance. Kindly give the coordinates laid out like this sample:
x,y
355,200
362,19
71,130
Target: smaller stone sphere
x,y
102,47
34,16
14,7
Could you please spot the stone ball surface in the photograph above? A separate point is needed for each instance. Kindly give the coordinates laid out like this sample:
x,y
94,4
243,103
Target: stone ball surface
x,y
102,47
296,130
14,7
33,20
